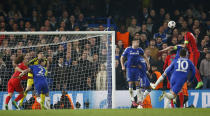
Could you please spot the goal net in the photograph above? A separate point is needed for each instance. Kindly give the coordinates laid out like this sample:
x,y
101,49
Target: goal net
x,y
81,71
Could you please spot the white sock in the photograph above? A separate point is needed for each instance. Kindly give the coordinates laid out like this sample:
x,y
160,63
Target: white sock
x,y
169,96
131,94
167,103
160,79
145,94
47,99
139,95
38,99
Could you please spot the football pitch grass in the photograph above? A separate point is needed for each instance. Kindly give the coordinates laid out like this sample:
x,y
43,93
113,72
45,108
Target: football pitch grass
x,y
110,112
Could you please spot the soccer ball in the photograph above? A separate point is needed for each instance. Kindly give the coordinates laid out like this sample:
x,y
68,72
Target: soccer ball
x,y
171,24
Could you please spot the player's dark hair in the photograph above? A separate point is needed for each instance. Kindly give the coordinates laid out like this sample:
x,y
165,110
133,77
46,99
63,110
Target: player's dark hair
x,y
19,59
134,40
39,51
183,52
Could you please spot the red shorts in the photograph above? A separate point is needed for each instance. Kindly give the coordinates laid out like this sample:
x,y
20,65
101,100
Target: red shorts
x,y
14,84
194,58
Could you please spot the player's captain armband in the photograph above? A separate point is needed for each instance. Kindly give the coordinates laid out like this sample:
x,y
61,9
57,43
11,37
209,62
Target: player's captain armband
x,y
30,75
186,42
175,47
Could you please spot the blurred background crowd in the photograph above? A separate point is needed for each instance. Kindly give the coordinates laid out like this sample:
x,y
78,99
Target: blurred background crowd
x,y
81,65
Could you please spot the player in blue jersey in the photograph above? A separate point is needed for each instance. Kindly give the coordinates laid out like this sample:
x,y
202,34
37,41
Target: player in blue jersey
x,y
40,81
167,73
132,54
144,80
180,67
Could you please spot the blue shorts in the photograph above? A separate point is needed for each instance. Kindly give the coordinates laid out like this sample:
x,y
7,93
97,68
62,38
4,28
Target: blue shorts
x,y
132,74
41,87
144,81
177,83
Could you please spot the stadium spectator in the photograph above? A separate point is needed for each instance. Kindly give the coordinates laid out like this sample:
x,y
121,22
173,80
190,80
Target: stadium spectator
x,y
101,28
153,49
204,70
149,25
72,23
161,34
121,82
120,46
123,37
133,28
147,54
117,54
174,41
144,43
82,22
159,42
53,23
84,81
145,31
3,71
164,45
180,39
101,79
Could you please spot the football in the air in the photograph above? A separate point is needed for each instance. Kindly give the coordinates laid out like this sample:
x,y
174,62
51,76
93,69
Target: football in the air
x,y
172,24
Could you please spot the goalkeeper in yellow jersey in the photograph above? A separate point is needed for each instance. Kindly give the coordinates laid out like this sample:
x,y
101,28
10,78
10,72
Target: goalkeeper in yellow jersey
x,y
30,82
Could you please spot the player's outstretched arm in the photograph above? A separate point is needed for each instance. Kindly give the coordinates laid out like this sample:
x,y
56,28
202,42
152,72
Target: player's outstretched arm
x,y
168,48
24,72
18,69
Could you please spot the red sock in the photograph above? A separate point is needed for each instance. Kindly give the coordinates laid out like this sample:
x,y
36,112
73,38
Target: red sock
x,y
172,103
197,75
181,99
19,97
7,99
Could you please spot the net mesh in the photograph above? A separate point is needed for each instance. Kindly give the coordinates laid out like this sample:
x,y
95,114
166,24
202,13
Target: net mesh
x,y
77,62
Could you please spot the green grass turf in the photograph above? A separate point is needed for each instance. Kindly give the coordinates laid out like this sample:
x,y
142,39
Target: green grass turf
x,y
110,112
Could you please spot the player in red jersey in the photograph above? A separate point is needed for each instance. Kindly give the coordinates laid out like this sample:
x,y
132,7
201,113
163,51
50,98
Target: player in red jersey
x,y
167,62
14,84
194,54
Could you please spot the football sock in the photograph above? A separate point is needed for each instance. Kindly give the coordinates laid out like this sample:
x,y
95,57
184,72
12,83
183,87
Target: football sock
x,y
42,99
181,99
7,99
19,97
131,92
47,102
169,96
172,103
167,103
138,92
21,101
